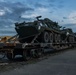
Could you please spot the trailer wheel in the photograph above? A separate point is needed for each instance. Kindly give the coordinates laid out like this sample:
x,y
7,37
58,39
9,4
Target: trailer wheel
x,y
46,37
26,55
38,53
56,38
10,56
51,38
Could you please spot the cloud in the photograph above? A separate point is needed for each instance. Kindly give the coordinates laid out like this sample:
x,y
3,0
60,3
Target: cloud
x,y
38,5
60,6
2,12
10,12
70,24
61,1
52,5
72,17
29,16
37,12
2,0
51,1
43,9
51,11
65,17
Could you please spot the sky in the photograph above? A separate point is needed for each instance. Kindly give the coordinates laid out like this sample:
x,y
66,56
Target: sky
x,y
12,11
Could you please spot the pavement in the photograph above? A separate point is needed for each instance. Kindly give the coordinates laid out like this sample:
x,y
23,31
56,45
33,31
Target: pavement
x,y
60,64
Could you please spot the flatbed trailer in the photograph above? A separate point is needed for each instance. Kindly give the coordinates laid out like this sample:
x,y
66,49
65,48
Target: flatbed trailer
x,y
28,50
13,47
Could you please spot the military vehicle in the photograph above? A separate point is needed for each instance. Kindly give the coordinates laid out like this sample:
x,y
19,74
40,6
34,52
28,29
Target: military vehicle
x,y
40,30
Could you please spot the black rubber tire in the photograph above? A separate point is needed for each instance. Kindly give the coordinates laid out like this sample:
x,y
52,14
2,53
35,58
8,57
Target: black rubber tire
x,y
26,55
10,56
56,38
45,37
38,53
51,37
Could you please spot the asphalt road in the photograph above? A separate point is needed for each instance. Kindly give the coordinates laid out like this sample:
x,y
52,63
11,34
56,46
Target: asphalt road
x,y
60,64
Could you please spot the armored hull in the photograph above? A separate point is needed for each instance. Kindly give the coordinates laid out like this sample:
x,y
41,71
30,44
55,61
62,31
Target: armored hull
x,y
26,33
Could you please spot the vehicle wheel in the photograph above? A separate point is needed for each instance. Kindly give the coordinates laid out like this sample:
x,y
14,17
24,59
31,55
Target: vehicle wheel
x,y
38,53
56,38
46,37
73,39
10,56
51,38
26,55
2,55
